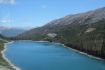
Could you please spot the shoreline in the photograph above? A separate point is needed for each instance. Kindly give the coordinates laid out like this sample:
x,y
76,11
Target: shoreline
x,y
17,68
6,59
75,50
83,53
86,54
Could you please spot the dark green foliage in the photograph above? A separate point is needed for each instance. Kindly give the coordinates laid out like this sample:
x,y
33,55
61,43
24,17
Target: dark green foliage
x,y
3,62
75,36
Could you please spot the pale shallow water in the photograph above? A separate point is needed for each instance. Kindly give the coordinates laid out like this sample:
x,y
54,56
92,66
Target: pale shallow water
x,y
30,55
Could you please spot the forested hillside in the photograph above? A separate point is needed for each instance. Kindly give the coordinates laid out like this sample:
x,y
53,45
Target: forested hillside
x,y
84,31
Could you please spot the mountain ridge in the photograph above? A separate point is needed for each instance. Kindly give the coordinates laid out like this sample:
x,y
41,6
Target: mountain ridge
x,y
84,32
71,19
11,32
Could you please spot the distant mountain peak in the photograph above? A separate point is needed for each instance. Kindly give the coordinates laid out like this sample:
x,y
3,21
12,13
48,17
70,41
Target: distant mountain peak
x,y
88,18
84,18
10,32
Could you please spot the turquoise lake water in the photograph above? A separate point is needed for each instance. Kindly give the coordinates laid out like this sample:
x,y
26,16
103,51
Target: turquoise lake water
x,y
30,55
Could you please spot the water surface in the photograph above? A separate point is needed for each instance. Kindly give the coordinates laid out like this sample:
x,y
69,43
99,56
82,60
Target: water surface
x,y
30,55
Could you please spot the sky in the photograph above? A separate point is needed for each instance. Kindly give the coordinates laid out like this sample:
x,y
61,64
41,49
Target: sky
x,y
35,13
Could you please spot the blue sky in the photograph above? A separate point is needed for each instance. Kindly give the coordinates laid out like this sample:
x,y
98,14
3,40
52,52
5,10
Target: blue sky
x,y
34,13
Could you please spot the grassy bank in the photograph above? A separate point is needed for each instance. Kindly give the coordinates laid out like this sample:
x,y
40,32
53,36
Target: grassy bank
x,y
3,63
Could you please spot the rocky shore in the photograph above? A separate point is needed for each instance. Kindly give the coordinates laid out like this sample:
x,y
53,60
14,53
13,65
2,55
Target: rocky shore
x,y
5,63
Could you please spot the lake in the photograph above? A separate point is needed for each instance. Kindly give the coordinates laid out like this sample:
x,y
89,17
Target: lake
x,y
31,55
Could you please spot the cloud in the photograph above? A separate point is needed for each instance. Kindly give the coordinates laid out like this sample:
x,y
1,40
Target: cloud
x,y
12,2
5,20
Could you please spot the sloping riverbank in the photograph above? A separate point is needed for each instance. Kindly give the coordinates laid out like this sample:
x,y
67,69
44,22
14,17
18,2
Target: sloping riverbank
x,y
5,64
78,51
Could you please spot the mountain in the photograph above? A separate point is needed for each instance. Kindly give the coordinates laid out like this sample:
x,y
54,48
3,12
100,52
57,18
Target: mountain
x,y
83,31
76,19
11,32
